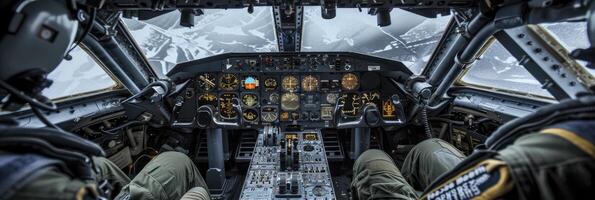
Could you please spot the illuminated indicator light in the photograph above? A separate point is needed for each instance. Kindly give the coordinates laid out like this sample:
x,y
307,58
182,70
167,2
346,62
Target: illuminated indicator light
x,y
388,109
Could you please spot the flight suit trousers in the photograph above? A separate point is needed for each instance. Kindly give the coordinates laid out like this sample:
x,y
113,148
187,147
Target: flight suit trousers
x,y
377,177
170,175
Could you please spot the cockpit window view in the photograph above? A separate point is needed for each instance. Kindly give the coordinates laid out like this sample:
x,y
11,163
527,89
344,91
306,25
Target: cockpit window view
x,y
297,99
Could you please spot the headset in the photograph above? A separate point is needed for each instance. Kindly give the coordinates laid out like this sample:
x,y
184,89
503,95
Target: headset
x,y
35,35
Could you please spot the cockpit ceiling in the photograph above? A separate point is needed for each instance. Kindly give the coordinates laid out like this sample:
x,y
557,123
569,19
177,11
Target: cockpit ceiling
x,y
411,38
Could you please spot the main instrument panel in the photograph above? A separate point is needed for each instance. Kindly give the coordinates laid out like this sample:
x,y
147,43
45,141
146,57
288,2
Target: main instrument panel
x,y
299,89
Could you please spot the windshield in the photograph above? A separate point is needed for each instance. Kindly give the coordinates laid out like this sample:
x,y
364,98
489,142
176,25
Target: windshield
x,y
166,43
410,38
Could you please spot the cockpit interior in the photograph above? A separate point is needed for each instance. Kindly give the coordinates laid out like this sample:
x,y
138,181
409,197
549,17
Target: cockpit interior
x,y
277,99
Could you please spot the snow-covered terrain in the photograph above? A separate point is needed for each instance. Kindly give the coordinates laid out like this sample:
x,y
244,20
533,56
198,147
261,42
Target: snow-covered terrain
x,y
79,75
166,43
410,38
499,69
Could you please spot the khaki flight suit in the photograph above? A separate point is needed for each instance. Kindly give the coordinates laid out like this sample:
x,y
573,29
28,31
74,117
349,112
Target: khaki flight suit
x,y
558,162
377,177
170,175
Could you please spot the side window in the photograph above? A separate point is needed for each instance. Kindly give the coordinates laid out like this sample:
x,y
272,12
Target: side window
x,y
81,74
499,70
571,35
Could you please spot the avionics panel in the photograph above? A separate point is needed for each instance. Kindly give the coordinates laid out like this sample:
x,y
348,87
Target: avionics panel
x,y
291,89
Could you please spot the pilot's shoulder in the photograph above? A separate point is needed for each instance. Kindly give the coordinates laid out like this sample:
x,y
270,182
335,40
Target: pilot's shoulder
x,y
581,133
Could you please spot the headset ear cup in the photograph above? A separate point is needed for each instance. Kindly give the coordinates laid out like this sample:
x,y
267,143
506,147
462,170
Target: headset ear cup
x,y
38,36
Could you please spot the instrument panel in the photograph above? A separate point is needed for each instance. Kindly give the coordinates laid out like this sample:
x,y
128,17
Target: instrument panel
x,y
292,90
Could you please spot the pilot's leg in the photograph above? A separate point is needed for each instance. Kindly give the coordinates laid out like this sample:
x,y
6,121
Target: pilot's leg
x,y
428,160
107,170
375,176
168,176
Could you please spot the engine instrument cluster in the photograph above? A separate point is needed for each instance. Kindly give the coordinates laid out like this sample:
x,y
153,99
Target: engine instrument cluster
x,y
293,89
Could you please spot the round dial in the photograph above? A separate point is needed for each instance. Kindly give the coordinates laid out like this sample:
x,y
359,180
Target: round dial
x,y
250,100
349,81
270,84
290,83
332,98
206,82
226,105
250,83
352,103
269,114
229,82
207,99
250,115
310,83
290,101
274,98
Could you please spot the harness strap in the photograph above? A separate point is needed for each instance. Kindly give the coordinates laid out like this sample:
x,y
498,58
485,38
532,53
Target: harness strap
x,y
17,170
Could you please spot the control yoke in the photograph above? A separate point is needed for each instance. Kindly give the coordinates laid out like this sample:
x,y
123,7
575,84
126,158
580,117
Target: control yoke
x,y
208,116
369,116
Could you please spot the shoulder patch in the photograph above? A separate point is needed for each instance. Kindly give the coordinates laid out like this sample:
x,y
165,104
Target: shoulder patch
x,y
488,179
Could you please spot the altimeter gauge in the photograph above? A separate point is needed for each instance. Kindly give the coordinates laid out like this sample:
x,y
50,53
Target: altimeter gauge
x,y
250,115
270,84
250,100
309,83
290,83
290,102
229,82
206,81
349,81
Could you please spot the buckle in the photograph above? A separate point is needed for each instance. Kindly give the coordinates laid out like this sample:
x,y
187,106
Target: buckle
x,y
105,189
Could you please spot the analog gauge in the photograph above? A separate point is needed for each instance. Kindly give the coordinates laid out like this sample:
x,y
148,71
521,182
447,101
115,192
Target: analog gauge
x,y
206,82
270,84
250,115
207,99
269,114
290,101
309,83
349,81
332,98
371,97
250,83
352,103
226,105
274,98
249,100
290,83
229,82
